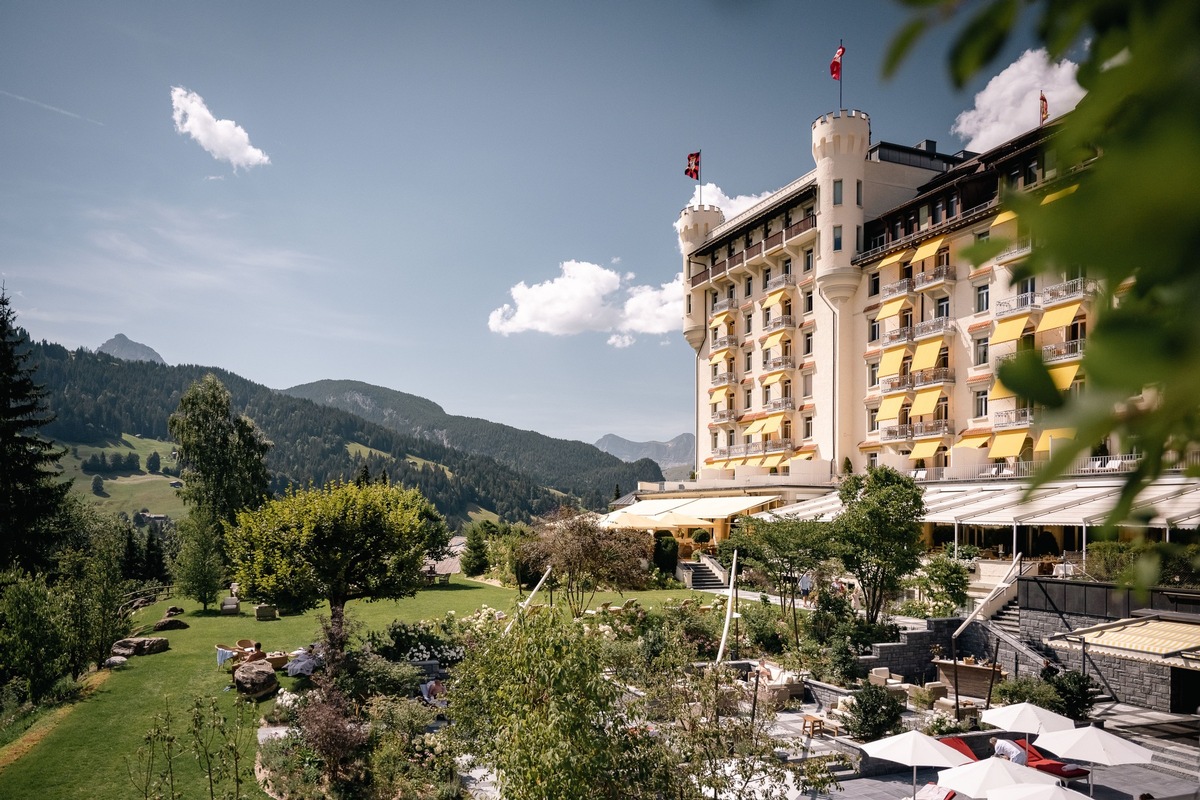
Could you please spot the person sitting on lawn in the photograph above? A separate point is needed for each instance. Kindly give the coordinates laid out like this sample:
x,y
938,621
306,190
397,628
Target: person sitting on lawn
x,y
432,692
256,654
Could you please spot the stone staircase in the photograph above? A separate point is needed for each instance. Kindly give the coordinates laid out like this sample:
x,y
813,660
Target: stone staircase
x,y
703,578
1008,618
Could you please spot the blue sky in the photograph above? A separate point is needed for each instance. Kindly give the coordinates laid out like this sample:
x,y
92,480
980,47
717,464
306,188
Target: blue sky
x,y
471,202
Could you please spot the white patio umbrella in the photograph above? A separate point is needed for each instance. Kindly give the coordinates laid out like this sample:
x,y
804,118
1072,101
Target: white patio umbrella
x,y
1026,718
1040,791
1094,745
979,777
915,749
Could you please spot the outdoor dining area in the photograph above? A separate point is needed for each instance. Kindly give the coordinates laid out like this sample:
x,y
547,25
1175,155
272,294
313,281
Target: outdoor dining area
x,y
1009,763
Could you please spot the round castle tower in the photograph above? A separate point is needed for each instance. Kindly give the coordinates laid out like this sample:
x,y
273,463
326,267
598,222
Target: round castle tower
x,y
695,223
839,146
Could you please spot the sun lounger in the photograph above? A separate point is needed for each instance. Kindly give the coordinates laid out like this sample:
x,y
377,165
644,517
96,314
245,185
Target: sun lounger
x,y
1067,772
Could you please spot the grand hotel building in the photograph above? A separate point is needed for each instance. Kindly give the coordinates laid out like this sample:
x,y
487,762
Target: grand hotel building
x,y
839,321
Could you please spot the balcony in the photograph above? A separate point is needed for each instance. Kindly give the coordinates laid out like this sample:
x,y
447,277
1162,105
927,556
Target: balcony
x,y
721,342
779,362
699,278
902,286
938,427
1075,289
724,415
1017,418
786,321
723,378
898,335
1021,304
1018,249
753,252
743,450
728,304
895,383
779,281
928,377
938,326
780,404
773,241
998,360
1063,351
893,433
938,276
803,226
719,268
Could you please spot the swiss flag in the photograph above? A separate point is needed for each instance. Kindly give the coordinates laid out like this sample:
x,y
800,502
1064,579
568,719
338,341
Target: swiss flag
x,y
693,167
835,66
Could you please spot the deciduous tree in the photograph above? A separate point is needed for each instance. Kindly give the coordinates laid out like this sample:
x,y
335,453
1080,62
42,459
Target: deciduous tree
x,y
339,543
878,533
199,569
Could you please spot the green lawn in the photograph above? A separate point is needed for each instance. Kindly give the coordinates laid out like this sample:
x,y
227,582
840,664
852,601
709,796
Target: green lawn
x,y
126,492
84,755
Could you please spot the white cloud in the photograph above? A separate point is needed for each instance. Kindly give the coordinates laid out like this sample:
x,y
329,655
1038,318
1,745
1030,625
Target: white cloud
x,y
713,195
586,298
1008,105
223,139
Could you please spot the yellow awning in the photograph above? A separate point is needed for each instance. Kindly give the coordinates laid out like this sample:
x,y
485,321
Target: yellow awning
x,y
974,440
1043,442
925,401
890,407
927,354
803,456
773,340
1007,444
755,427
772,425
754,461
727,389
1063,374
889,365
925,449
772,379
1058,317
774,298
722,318
1003,217
773,461
1000,392
891,308
894,257
1009,330
928,249
720,356
1060,194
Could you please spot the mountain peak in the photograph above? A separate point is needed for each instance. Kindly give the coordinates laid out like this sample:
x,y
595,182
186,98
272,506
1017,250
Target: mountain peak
x,y
124,348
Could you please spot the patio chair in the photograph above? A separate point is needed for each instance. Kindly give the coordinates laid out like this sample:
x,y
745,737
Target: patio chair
x,y
1067,772
960,744
231,605
226,653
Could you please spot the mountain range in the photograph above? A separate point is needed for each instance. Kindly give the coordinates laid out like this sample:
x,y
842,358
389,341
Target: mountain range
x,y
679,452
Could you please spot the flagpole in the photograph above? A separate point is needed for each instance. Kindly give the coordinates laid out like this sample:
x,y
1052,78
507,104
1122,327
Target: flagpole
x,y
841,77
700,179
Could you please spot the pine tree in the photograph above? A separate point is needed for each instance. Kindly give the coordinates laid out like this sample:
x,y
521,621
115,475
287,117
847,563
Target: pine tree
x,y
30,495
474,559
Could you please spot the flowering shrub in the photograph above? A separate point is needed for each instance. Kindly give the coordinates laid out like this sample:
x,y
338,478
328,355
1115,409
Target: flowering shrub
x,y
427,640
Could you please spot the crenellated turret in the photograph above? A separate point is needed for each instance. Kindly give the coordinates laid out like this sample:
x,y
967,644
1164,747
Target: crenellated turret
x,y
839,146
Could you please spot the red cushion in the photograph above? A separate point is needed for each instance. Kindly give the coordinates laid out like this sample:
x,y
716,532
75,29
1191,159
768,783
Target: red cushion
x,y
961,746
1049,765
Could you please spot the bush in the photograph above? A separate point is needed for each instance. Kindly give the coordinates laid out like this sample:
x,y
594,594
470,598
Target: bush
x,y
1028,690
1077,693
368,674
844,668
419,641
874,714
666,553
330,729
764,628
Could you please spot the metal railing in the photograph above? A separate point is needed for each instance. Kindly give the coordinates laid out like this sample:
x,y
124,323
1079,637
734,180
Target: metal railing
x,y
1063,350
780,404
895,383
924,280
785,321
723,342
781,280
926,377
1021,247
892,433
728,304
930,327
1068,290
722,378
902,286
724,415
937,427
1018,417
903,334
1015,305
913,238
780,362
775,445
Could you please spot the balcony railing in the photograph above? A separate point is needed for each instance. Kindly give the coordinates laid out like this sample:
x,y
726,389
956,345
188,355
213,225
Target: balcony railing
x,y
724,415
898,335
754,250
927,377
722,378
743,450
1017,249
906,241
998,360
938,427
1063,351
1017,418
925,280
775,445
721,342
933,327
893,433
803,226
780,362
773,241
1016,305
1068,290
895,383
786,321
780,404
699,278
781,280
902,286
728,304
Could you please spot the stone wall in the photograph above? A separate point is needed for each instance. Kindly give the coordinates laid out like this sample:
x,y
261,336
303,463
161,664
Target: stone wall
x,y
912,655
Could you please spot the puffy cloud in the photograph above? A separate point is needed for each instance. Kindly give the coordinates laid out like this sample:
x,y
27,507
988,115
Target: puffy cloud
x,y
223,139
587,297
1008,105
713,195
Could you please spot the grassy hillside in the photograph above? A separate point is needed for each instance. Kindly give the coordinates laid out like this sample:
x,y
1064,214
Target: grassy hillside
x,y
126,491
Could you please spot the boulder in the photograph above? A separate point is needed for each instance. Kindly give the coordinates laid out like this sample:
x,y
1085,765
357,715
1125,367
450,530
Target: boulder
x,y
170,624
113,662
173,611
142,602
256,679
140,646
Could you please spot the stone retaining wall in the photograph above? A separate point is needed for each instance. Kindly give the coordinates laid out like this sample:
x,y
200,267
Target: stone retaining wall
x,y
912,655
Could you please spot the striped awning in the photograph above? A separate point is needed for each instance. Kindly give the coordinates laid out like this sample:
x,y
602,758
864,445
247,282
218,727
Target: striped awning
x,y
928,248
1149,638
